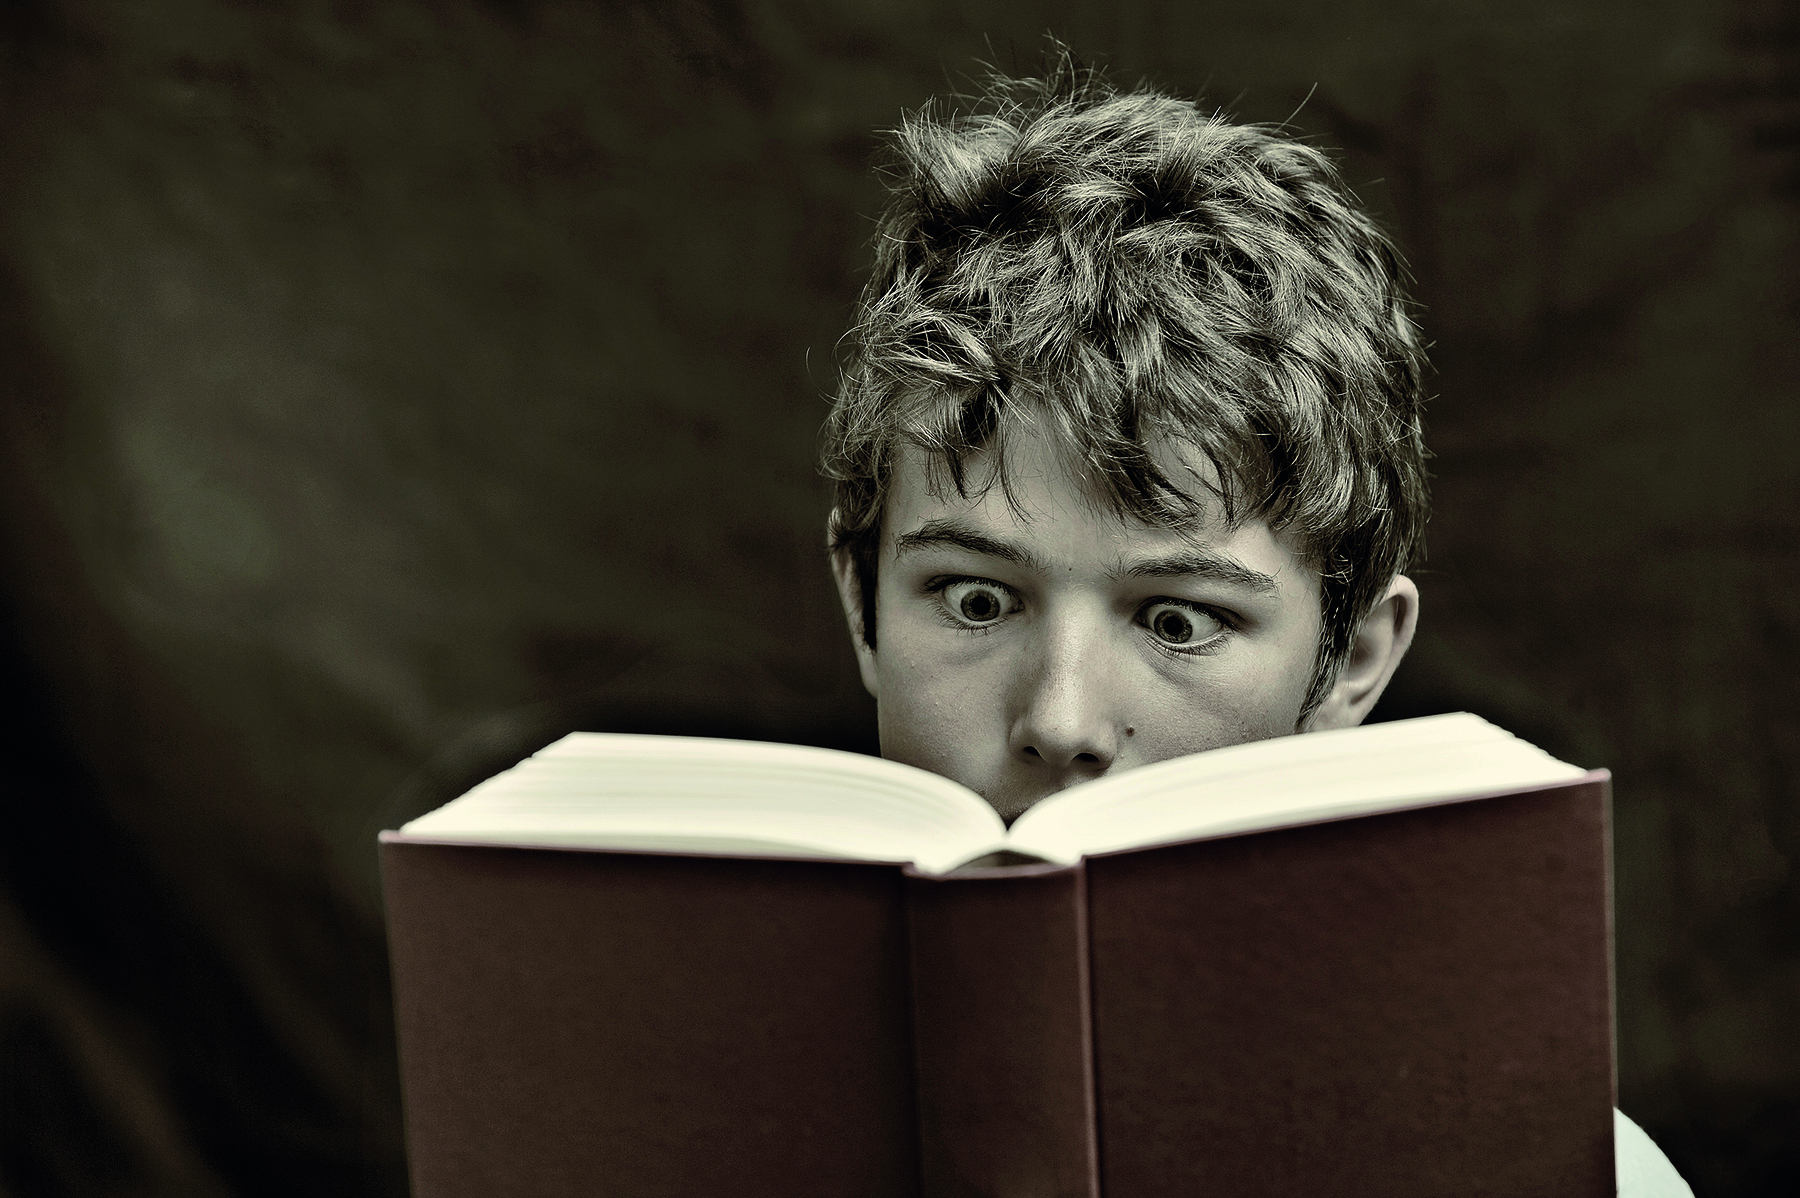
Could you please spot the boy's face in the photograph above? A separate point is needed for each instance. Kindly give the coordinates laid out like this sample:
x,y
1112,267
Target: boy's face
x,y
1023,652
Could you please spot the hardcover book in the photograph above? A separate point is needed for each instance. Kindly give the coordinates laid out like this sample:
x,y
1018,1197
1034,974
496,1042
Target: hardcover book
x,y
1370,961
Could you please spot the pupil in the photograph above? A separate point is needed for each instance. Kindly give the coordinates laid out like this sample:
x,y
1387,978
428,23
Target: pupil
x,y
980,606
1173,627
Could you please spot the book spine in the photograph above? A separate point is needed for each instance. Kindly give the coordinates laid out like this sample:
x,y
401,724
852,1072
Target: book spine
x,y
1003,1032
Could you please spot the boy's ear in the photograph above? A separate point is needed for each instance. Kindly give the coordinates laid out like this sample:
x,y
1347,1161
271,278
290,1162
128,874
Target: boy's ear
x,y
1380,643
850,595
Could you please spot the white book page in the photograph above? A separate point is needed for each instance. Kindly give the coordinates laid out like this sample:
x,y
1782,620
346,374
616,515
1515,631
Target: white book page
x,y
1290,780
695,795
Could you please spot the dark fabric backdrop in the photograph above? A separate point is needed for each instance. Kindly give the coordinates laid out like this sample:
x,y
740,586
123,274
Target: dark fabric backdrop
x,y
390,388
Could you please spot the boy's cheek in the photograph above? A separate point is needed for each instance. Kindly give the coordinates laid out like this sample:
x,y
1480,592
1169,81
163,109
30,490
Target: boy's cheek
x,y
940,719
1174,731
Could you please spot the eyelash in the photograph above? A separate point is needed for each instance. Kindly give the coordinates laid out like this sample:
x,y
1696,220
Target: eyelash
x,y
1227,622
1212,644
948,618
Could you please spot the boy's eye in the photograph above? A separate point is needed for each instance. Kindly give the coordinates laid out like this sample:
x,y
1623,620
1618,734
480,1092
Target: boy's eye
x,y
976,603
1178,626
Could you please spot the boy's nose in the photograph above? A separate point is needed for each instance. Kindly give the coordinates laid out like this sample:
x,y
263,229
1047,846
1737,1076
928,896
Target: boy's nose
x,y
1066,717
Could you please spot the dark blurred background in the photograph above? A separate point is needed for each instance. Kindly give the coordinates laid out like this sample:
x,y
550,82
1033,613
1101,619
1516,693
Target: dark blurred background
x,y
390,388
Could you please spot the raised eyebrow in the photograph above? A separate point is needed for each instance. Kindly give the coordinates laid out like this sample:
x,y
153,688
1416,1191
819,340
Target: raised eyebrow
x,y
937,533
1198,563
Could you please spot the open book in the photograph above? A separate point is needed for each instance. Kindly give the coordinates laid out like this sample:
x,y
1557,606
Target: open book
x,y
693,795
1375,961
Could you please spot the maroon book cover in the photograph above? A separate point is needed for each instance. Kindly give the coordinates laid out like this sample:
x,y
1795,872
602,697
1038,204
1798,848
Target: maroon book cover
x,y
1415,1003
576,1023
1410,1003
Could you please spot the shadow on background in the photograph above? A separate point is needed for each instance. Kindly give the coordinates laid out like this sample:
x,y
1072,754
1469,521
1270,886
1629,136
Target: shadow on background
x,y
389,391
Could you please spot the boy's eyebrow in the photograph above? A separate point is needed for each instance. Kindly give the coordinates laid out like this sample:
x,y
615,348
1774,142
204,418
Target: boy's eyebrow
x,y
1201,564
1191,563
934,533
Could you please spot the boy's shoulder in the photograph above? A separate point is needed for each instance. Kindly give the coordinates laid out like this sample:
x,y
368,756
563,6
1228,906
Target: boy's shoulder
x,y
1640,1166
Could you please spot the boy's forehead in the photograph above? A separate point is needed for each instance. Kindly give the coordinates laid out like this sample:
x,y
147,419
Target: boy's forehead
x,y
1045,503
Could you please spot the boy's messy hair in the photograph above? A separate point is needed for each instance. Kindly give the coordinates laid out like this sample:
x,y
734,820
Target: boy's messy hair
x,y
1126,272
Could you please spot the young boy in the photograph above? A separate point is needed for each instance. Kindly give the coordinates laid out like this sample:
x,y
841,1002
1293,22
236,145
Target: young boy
x,y
1127,453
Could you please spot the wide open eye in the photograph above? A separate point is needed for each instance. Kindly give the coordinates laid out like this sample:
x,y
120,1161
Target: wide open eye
x,y
976,603
1179,626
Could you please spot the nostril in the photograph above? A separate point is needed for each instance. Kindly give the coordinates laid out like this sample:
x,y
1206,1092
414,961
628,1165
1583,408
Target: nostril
x,y
1087,758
